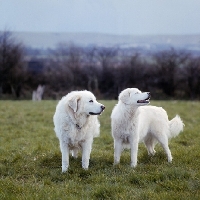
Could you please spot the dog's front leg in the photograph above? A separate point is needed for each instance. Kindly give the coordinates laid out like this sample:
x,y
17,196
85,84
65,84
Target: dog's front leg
x,y
117,150
134,151
86,150
65,155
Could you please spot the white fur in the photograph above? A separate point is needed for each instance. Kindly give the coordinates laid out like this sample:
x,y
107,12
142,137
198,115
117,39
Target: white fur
x,y
133,122
76,124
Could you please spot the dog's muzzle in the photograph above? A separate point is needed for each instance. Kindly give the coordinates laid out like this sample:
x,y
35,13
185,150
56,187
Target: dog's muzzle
x,y
145,100
102,109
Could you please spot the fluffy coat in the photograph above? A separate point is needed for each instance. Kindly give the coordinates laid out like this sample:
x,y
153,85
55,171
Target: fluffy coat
x,y
133,121
76,124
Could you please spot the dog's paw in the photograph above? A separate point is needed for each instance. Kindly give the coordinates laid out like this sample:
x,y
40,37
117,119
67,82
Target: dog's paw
x,y
170,159
151,153
85,168
64,168
133,165
115,163
85,165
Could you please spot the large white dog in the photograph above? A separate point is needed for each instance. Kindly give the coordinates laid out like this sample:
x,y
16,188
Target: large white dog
x,y
76,124
133,122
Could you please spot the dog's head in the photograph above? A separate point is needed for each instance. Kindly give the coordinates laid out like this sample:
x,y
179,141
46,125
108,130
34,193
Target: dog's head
x,y
133,96
84,102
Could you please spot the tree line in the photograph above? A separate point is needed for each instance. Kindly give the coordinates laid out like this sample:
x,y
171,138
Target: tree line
x,y
168,74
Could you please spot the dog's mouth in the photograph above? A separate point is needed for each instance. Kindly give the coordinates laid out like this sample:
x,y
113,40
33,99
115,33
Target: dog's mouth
x,y
145,100
92,113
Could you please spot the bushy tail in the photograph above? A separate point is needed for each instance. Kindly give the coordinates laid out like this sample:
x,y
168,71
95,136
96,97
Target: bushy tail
x,y
176,126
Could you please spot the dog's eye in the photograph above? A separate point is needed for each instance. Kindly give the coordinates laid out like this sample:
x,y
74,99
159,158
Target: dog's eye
x,y
91,101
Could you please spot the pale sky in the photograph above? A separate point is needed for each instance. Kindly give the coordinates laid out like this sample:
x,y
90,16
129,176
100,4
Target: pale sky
x,y
121,17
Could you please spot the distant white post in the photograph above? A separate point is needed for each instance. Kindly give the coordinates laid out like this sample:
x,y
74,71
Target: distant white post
x,y
37,94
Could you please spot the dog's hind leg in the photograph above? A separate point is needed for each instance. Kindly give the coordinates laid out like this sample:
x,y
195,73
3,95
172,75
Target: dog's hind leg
x,y
163,139
150,143
117,150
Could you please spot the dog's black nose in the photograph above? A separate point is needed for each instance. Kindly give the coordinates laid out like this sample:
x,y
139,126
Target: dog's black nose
x,y
149,94
103,107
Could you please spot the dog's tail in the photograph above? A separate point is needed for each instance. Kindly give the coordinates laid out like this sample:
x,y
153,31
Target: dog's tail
x,y
176,126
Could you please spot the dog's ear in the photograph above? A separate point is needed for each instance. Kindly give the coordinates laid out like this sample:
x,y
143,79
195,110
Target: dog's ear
x,y
125,95
73,103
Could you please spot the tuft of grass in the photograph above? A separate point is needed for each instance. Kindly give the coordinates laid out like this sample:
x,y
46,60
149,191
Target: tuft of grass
x,y
30,158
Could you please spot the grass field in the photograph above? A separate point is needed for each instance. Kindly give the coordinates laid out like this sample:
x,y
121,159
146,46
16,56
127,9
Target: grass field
x,y
30,159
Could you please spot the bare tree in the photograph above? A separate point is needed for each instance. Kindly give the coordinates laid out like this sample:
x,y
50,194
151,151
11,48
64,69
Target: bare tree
x,y
107,62
106,71
130,73
11,64
92,70
191,77
65,70
167,68
75,64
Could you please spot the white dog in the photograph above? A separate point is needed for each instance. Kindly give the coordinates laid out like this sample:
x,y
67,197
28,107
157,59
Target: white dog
x,y
76,124
133,122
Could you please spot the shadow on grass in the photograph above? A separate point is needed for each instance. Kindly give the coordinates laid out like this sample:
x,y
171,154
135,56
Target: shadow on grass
x,y
54,161
157,159
50,168
184,143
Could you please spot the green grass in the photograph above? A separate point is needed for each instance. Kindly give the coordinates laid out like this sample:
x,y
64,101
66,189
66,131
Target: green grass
x,y
30,159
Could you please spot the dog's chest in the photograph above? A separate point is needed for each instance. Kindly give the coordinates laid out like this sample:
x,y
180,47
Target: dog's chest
x,y
75,135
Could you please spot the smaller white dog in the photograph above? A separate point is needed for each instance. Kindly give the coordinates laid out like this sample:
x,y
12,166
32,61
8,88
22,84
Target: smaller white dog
x,y
76,124
133,122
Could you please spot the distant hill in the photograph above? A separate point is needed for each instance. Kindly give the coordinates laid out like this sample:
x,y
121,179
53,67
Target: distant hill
x,y
148,42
